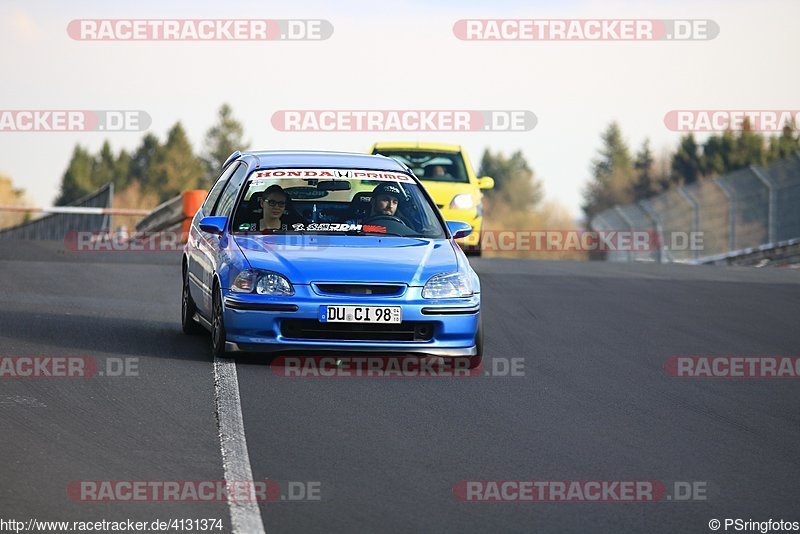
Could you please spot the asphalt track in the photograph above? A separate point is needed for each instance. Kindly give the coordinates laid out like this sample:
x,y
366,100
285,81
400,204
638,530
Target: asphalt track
x,y
594,402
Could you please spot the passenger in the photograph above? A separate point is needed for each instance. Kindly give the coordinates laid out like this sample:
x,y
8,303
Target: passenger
x,y
273,206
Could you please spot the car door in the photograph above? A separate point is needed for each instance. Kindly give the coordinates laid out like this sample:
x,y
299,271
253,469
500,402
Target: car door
x,y
197,260
211,247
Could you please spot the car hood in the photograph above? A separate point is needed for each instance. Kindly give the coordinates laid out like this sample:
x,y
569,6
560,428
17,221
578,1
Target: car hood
x,y
317,258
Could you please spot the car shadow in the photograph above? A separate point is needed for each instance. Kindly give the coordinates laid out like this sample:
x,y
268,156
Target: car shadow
x,y
79,334
329,361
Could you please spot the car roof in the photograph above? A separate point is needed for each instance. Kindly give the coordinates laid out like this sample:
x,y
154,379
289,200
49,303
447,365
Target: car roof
x,y
405,145
274,159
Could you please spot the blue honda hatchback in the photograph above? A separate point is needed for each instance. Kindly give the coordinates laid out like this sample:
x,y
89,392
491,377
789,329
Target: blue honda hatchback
x,y
316,251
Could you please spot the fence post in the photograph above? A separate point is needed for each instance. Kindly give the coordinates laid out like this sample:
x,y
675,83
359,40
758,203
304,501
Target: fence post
x,y
772,202
627,221
650,212
695,215
731,212
597,224
106,225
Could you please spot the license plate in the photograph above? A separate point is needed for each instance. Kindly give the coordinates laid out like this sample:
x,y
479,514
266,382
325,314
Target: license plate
x,y
360,314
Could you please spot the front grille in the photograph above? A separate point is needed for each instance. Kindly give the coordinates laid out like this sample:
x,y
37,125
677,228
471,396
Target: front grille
x,y
313,329
361,289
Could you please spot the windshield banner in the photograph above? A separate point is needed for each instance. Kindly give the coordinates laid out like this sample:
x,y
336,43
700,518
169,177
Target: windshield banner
x,y
334,174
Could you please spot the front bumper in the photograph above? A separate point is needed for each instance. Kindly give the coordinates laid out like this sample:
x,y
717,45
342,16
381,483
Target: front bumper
x,y
256,322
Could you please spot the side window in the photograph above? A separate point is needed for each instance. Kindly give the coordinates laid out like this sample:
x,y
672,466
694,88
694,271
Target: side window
x,y
213,195
231,191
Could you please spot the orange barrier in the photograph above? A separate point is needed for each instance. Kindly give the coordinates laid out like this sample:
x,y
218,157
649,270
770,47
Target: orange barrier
x,y
191,202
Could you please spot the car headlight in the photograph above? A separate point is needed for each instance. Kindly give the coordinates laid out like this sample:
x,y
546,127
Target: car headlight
x,y
448,285
262,282
463,201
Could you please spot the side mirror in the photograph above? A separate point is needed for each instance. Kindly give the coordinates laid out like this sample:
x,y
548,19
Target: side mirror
x,y
459,229
213,225
485,182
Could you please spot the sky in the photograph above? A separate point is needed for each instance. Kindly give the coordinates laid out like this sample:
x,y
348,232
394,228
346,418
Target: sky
x,y
398,55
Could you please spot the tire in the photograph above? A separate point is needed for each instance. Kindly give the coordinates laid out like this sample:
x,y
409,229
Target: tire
x,y
188,309
218,337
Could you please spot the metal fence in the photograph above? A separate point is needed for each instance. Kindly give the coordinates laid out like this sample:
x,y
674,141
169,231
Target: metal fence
x,y
752,208
56,226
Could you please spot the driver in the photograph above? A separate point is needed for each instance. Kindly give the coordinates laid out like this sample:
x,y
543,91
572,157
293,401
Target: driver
x,y
386,198
386,209
439,171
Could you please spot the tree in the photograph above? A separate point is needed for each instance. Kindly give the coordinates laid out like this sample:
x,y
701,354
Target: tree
x,y
686,162
103,167
749,148
122,170
177,168
612,174
11,197
717,153
515,185
77,179
222,140
646,183
143,161
785,145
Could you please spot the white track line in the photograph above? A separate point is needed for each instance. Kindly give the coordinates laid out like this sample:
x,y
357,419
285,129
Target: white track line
x,y
245,515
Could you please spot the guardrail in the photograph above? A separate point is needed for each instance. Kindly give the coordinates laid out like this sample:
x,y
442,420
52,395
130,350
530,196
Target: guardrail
x,y
176,213
92,214
89,213
776,254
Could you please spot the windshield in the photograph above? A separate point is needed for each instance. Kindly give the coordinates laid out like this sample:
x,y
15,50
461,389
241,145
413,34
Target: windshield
x,y
431,166
335,201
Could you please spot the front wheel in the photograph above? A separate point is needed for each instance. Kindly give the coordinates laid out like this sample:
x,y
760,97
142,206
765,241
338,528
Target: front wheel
x,y
218,337
188,309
